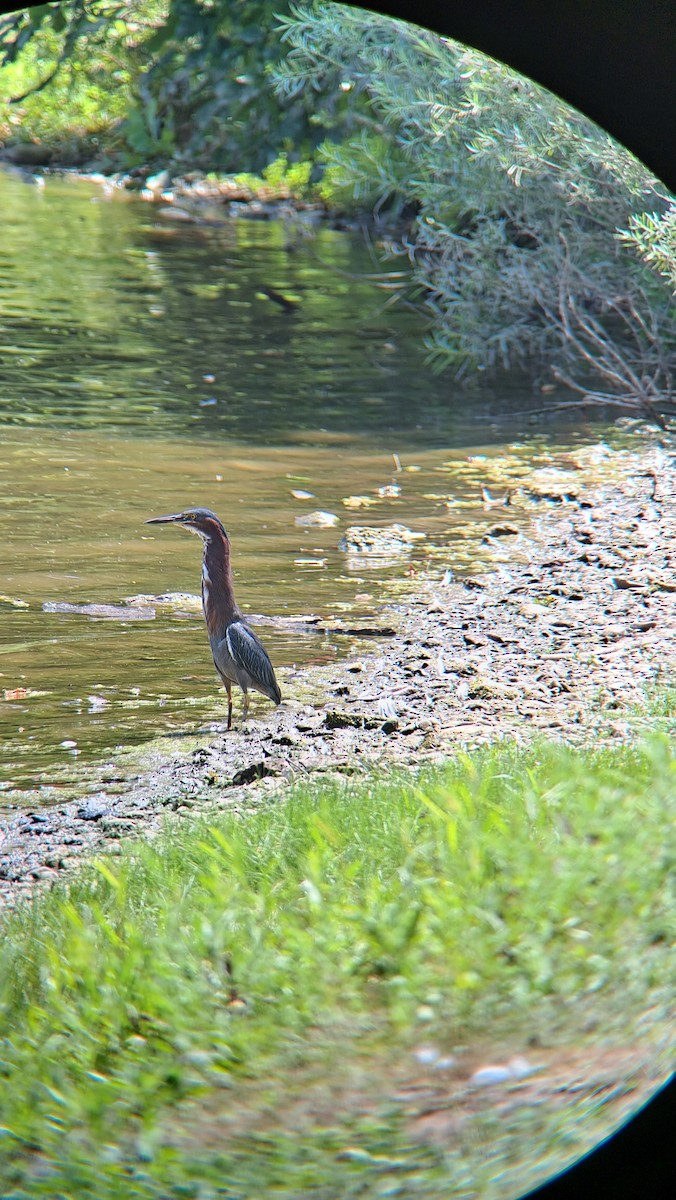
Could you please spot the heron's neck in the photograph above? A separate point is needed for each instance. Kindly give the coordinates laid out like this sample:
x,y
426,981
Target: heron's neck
x,y
218,596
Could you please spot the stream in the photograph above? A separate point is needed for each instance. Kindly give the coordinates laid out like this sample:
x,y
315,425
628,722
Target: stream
x,y
143,369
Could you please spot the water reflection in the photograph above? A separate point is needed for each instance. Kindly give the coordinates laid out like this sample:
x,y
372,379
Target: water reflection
x,y
112,314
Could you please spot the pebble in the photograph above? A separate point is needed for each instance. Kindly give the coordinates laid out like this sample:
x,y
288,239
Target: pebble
x,y
319,520
445,1063
431,1056
486,1076
387,709
92,810
518,1067
426,1055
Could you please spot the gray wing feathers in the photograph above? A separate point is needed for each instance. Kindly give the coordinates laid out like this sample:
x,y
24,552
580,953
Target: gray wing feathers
x,y
250,656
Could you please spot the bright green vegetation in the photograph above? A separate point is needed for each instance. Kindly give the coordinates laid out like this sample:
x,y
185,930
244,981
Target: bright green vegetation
x,y
66,85
153,81
518,201
165,1014
280,180
531,238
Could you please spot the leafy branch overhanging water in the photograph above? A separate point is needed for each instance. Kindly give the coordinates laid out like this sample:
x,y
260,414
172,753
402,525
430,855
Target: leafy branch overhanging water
x,y
533,239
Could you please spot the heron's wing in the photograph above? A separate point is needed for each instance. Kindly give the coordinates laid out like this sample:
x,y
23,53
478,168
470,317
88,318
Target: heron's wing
x,y
250,655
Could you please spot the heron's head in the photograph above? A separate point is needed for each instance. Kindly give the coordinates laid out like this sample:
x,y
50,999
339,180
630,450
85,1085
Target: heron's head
x,y
198,520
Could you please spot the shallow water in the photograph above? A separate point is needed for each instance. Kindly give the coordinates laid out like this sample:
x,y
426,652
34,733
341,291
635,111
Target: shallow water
x,y
142,370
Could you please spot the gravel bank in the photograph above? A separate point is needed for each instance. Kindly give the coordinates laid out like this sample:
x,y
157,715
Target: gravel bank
x,y
561,639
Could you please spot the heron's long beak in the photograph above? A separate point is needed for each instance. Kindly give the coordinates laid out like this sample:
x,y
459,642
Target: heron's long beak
x,y
164,520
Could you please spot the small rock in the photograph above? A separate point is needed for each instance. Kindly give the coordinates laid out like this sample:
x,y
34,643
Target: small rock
x,y
317,520
358,501
92,810
520,1067
475,639
157,183
12,601
174,213
425,1012
502,531
390,539
353,1154
445,1063
486,1076
249,774
343,720
426,1055
387,709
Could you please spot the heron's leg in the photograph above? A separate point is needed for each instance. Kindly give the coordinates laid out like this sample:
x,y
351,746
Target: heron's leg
x,y
246,705
228,688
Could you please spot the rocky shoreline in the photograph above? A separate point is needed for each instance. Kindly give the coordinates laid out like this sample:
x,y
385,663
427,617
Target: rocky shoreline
x,y
560,640
203,199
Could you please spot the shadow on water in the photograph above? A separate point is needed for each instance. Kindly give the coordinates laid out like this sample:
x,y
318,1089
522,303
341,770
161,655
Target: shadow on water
x,y
112,314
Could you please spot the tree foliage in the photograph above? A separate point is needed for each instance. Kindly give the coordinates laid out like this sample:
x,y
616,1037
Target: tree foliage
x,y
518,198
66,73
653,235
195,73
536,239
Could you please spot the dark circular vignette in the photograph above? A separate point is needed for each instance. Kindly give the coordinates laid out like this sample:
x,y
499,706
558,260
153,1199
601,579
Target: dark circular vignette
x,y
638,1162
615,60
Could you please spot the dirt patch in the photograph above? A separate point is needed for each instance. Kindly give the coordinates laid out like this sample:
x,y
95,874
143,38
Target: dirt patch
x,y
560,639
554,1108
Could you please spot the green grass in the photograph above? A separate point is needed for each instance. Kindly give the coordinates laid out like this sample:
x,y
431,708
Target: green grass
x,y
160,1015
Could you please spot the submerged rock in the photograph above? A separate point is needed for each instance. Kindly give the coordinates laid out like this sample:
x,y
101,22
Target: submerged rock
x,y
101,612
166,600
318,520
379,542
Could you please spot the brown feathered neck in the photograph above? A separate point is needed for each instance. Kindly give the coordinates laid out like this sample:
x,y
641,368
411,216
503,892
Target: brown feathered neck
x,y
218,594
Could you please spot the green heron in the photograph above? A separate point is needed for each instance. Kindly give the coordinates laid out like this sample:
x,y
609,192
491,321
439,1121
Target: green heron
x,y
239,656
